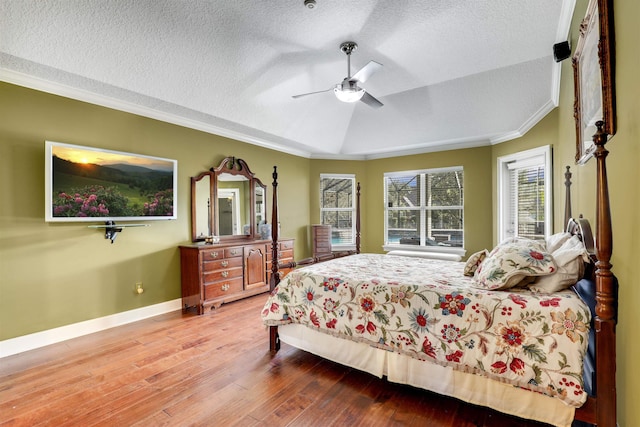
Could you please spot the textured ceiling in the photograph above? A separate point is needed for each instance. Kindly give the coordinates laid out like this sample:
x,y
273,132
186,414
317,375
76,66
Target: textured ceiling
x,y
456,73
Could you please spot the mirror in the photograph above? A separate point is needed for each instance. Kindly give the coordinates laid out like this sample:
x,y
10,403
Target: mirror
x,y
201,196
227,201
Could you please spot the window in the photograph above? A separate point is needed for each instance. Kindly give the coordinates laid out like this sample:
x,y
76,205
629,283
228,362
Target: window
x,y
337,207
525,197
424,209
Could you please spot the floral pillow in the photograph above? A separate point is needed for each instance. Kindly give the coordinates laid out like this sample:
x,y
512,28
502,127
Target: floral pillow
x,y
511,262
474,262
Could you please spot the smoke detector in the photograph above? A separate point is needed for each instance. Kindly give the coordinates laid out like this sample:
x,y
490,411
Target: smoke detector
x,y
310,4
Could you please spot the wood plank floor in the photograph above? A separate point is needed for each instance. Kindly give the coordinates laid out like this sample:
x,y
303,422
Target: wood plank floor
x,y
182,369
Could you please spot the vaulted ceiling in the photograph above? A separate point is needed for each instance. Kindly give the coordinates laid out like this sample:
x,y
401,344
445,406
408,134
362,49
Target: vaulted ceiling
x,y
456,73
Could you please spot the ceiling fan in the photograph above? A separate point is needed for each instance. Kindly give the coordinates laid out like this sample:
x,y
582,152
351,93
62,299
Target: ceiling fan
x,y
348,90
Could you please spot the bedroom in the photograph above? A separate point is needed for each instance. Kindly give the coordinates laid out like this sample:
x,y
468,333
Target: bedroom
x,y
57,275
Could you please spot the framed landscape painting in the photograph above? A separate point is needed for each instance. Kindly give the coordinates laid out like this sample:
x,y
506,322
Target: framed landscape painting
x,y
91,184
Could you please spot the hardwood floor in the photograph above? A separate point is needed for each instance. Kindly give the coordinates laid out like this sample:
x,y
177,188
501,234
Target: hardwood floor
x,y
182,369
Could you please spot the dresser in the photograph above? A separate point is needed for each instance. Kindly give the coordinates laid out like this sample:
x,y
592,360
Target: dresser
x,y
321,238
285,254
214,274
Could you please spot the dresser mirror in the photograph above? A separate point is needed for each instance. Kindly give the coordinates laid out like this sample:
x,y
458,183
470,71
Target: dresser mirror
x,y
228,202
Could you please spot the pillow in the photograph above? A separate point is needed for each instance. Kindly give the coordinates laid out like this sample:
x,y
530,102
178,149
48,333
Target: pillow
x,y
556,240
523,241
510,262
474,261
569,258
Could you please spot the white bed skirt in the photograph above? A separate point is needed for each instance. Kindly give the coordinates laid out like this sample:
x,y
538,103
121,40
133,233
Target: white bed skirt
x,y
439,379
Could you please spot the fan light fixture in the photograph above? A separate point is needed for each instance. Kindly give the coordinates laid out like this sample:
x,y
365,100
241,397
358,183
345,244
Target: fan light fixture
x,y
348,90
349,94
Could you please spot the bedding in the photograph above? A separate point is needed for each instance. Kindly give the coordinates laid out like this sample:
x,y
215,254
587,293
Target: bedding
x,y
430,311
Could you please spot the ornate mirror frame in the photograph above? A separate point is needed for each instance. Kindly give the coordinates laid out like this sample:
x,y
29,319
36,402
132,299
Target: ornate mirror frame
x,y
205,203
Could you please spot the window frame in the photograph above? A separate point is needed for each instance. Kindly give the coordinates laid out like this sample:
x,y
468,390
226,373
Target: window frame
x,y
524,158
352,209
461,251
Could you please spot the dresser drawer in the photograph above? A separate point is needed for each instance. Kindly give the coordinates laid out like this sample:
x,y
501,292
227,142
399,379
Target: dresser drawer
x,y
222,288
287,244
224,274
213,254
233,252
282,255
222,264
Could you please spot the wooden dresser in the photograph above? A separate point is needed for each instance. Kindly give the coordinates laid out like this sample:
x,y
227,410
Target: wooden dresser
x,y
214,274
321,238
285,254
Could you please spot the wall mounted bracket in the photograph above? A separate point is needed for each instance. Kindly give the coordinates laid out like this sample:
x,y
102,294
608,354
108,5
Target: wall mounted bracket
x,y
111,230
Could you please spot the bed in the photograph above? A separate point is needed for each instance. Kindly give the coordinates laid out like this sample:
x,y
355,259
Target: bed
x,y
486,331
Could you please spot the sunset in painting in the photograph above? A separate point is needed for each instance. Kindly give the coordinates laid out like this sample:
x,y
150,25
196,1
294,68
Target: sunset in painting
x,y
105,158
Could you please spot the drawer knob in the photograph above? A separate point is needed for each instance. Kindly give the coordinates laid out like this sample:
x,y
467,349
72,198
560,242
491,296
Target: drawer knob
x,y
214,254
225,274
224,263
225,287
234,252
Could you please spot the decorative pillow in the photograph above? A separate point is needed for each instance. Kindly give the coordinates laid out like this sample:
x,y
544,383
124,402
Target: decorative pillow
x,y
509,263
522,241
474,261
569,258
556,240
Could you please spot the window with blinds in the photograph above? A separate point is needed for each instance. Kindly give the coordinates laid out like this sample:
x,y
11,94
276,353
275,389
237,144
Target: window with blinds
x,y
337,207
527,201
425,208
525,194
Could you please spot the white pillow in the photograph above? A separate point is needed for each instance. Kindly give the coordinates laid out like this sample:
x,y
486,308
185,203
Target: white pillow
x,y
569,258
556,240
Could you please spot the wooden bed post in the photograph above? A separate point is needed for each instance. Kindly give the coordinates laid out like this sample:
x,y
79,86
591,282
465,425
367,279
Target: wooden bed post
x,y
274,340
605,321
567,199
358,218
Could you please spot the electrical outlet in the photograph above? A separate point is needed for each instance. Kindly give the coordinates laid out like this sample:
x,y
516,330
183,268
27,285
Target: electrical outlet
x,y
139,288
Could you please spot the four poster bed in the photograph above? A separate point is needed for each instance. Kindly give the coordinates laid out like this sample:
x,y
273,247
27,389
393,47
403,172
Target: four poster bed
x,y
527,329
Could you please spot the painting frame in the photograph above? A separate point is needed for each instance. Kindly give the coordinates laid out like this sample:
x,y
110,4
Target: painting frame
x,y
89,184
594,86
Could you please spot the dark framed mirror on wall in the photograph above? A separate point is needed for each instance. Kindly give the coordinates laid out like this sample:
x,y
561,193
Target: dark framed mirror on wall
x,y
227,203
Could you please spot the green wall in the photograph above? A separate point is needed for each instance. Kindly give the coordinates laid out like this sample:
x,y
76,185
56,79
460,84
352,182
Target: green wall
x,y
55,274
58,274
623,164
477,191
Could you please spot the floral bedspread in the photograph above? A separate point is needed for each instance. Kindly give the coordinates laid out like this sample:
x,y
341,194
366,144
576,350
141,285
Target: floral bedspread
x,y
428,309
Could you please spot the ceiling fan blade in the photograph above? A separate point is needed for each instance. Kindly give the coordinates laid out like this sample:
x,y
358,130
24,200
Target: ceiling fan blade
x,y
310,93
365,72
371,101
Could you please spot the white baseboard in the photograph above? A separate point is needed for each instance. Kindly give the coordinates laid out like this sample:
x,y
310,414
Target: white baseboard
x,y
63,333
